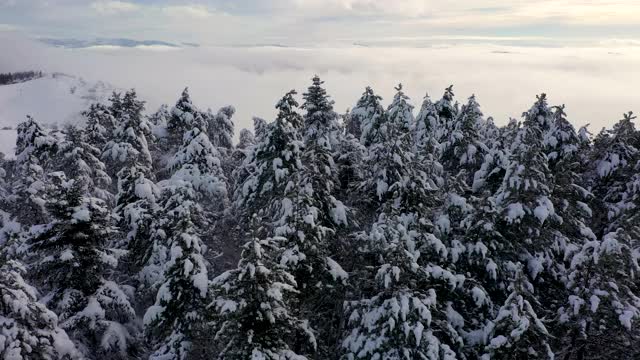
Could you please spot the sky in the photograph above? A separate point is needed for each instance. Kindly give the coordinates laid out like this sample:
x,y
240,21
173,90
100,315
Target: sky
x,y
584,54
313,22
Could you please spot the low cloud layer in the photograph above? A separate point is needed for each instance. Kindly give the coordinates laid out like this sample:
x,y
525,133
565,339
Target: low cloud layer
x,y
596,84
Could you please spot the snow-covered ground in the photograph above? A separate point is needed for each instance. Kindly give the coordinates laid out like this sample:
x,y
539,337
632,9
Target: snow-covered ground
x,y
53,100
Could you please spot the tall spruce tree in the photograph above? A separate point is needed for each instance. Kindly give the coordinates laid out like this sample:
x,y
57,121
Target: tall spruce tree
x,y
72,263
253,307
366,116
464,148
183,287
34,155
80,160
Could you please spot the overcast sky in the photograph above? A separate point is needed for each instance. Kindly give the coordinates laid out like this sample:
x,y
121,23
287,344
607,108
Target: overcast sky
x,y
309,22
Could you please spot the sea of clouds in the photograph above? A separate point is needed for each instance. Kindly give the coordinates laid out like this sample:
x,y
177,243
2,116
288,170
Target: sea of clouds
x,y
597,83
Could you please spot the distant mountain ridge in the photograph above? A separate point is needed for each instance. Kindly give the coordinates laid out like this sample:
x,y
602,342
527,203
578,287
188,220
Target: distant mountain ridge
x,y
122,42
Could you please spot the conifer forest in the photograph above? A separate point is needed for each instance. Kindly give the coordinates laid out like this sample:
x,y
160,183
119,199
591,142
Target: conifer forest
x,y
382,233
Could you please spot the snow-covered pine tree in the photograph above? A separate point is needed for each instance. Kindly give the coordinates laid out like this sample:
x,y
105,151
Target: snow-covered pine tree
x,y
128,155
615,153
603,307
525,195
220,127
428,129
80,160
136,205
349,156
100,124
129,145
252,307
29,330
365,117
182,293
406,293
197,162
389,157
181,117
34,154
447,113
260,127
464,148
491,173
270,166
245,144
517,332
71,262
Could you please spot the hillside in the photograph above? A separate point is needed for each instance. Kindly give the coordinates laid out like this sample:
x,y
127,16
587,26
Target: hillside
x,y
53,100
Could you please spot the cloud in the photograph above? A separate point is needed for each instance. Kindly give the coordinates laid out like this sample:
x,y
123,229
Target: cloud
x,y
7,27
114,7
187,11
505,79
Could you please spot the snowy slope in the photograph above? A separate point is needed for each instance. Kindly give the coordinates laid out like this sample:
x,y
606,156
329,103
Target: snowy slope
x,y
55,99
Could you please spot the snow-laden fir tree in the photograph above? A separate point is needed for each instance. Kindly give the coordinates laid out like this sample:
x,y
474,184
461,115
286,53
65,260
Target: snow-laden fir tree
x,y
128,156
517,332
129,145
80,160
525,195
181,118
253,309
615,153
220,127
271,165
29,331
603,307
494,166
35,151
183,287
136,204
428,131
447,113
404,302
365,117
71,263
100,124
198,162
464,148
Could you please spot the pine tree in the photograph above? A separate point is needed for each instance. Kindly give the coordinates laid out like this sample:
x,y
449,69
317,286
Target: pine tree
x,y
366,116
129,146
29,330
428,128
603,307
181,118
525,195
81,160
491,173
615,153
271,164
220,127
71,261
182,294
198,162
517,332
407,294
136,204
34,150
100,124
447,113
253,314
464,148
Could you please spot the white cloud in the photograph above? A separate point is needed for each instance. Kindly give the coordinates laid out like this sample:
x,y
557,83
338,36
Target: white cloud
x,y
187,11
7,27
114,7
